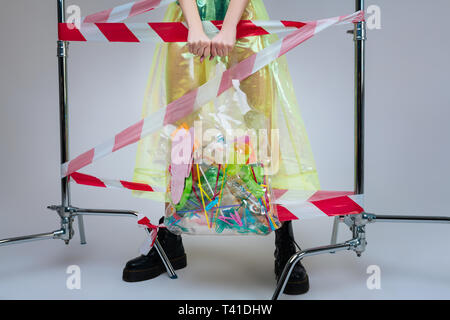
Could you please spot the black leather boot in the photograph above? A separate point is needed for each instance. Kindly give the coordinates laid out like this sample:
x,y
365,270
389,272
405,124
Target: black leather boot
x,y
150,266
298,282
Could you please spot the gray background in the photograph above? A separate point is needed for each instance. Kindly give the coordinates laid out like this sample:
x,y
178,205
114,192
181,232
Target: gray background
x,y
407,158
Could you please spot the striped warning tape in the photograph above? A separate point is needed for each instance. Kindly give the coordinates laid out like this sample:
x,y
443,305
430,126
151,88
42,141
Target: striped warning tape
x,y
198,97
165,31
318,203
125,11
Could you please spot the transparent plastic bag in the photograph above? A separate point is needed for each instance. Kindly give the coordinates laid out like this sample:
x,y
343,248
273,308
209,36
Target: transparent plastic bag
x,y
218,177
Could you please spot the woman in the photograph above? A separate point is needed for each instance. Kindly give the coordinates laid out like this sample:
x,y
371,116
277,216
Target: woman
x,y
178,68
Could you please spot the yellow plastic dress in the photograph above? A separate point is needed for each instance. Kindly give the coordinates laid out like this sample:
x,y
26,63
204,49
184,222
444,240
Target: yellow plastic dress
x,y
175,71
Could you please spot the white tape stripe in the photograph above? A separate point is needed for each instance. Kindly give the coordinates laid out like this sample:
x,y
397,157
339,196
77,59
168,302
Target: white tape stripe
x,y
274,26
325,23
210,29
296,196
143,32
113,184
92,33
306,210
358,198
205,92
349,18
153,122
64,168
103,149
266,56
121,12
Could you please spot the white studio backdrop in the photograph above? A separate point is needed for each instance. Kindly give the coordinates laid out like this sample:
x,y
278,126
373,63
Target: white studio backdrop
x,y
407,112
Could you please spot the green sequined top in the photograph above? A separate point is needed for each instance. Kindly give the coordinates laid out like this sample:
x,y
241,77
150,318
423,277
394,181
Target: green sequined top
x,y
212,9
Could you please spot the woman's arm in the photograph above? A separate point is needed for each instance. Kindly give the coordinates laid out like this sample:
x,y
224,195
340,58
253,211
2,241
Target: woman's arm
x,y
224,41
198,42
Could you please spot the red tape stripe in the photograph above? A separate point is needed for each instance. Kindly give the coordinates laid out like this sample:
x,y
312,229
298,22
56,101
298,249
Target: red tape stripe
x,y
338,206
180,108
294,39
87,180
128,136
170,32
294,24
144,6
117,32
101,16
136,186
245,28
284,214
69,32
240,71
81,161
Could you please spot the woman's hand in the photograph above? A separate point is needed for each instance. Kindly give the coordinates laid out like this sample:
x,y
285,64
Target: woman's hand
x,y
199,43
223,43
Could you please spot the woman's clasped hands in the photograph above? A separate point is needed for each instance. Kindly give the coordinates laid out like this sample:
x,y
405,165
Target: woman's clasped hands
x,y
220,45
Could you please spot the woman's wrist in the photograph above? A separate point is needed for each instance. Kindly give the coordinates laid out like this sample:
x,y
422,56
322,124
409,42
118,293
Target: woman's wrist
x,y
195,25
191,15
230,23
234,13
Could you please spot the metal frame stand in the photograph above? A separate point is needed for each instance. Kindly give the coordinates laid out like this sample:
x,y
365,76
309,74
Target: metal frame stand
x,y
356,223
66,211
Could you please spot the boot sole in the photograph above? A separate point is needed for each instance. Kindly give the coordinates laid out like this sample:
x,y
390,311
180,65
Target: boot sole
x,y
150,273
297,287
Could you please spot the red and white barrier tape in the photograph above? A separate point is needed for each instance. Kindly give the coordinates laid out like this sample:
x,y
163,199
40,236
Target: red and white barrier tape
x,y
319,203
198,97
88,180
125,11
165,31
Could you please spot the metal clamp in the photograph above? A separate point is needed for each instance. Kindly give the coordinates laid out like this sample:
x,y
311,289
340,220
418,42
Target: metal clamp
x,y
359,32
62,48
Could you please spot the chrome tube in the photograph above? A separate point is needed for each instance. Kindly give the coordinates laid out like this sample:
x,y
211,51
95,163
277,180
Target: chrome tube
x,y
407,219
335,230
306,253
104,212
165,259
359,39
63,106
32,237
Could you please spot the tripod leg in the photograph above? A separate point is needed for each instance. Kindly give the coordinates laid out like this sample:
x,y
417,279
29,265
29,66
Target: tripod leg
x,y
165,260
335,231
81,229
